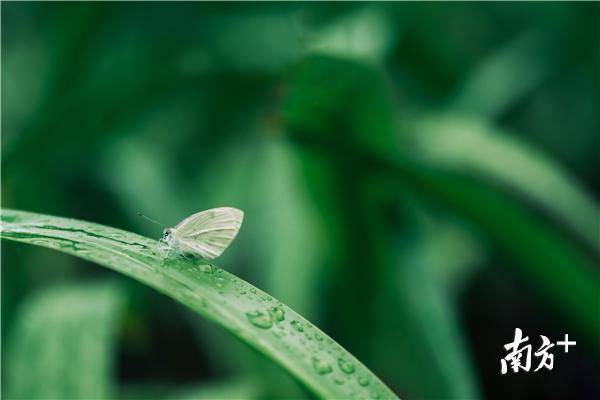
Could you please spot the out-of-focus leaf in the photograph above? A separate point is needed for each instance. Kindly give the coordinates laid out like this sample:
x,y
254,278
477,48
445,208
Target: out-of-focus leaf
x,y
353,201
507,75
250,314
450,252
145,391
256,42
340,100
238,389
556,268
471,146
25,61
63,343
282,206
365,34
234,389
550,262
143,182
424,295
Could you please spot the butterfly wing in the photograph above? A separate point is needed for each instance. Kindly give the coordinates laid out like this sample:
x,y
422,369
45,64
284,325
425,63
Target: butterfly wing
x,y
209,232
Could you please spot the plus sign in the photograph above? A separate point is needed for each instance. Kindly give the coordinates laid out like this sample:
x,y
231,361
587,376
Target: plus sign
x,y
566,343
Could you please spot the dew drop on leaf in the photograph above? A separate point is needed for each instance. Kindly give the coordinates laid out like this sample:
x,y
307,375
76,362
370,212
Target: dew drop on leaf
x,y
363,381
277,314
207,269
345,365
259,319
320,366
297,326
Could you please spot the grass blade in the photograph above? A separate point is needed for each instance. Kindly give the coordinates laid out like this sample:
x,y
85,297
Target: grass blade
x,y
476,148
250,314
61,346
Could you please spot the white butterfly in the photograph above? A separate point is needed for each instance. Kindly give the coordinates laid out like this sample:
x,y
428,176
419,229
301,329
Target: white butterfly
x,y
207,233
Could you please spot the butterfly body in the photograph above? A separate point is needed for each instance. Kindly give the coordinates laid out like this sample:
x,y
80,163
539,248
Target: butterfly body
x,y
206,233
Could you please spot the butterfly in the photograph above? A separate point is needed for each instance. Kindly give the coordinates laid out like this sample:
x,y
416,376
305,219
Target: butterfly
x,y
206,233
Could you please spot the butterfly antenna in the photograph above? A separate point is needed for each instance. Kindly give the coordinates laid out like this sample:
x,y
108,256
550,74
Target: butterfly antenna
x,y
150,219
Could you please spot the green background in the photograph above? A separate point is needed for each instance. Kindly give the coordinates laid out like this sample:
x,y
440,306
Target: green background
x,y
418,180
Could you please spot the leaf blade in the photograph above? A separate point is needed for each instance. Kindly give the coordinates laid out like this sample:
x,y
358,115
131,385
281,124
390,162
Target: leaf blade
x,y
245,311
60,346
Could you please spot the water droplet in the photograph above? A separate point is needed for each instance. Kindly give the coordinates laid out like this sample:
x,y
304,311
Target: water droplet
x,y
277,314
259,319
338,380
321,366
207,269
345,365
363,381
318,337
242,292
297,326
269,298
252,290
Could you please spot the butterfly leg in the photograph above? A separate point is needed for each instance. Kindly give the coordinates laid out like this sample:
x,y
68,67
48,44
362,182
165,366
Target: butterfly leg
x,y
157,247
167,252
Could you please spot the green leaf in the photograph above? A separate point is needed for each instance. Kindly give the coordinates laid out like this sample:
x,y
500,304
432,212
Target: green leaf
x,y
474,147
560,270
250,314
338,125
278,176
556,269
427,313
365,35
507,75
62,344
231,389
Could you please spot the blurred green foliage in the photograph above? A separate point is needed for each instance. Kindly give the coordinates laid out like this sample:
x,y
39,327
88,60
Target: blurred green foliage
x,y
65,337
418,179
